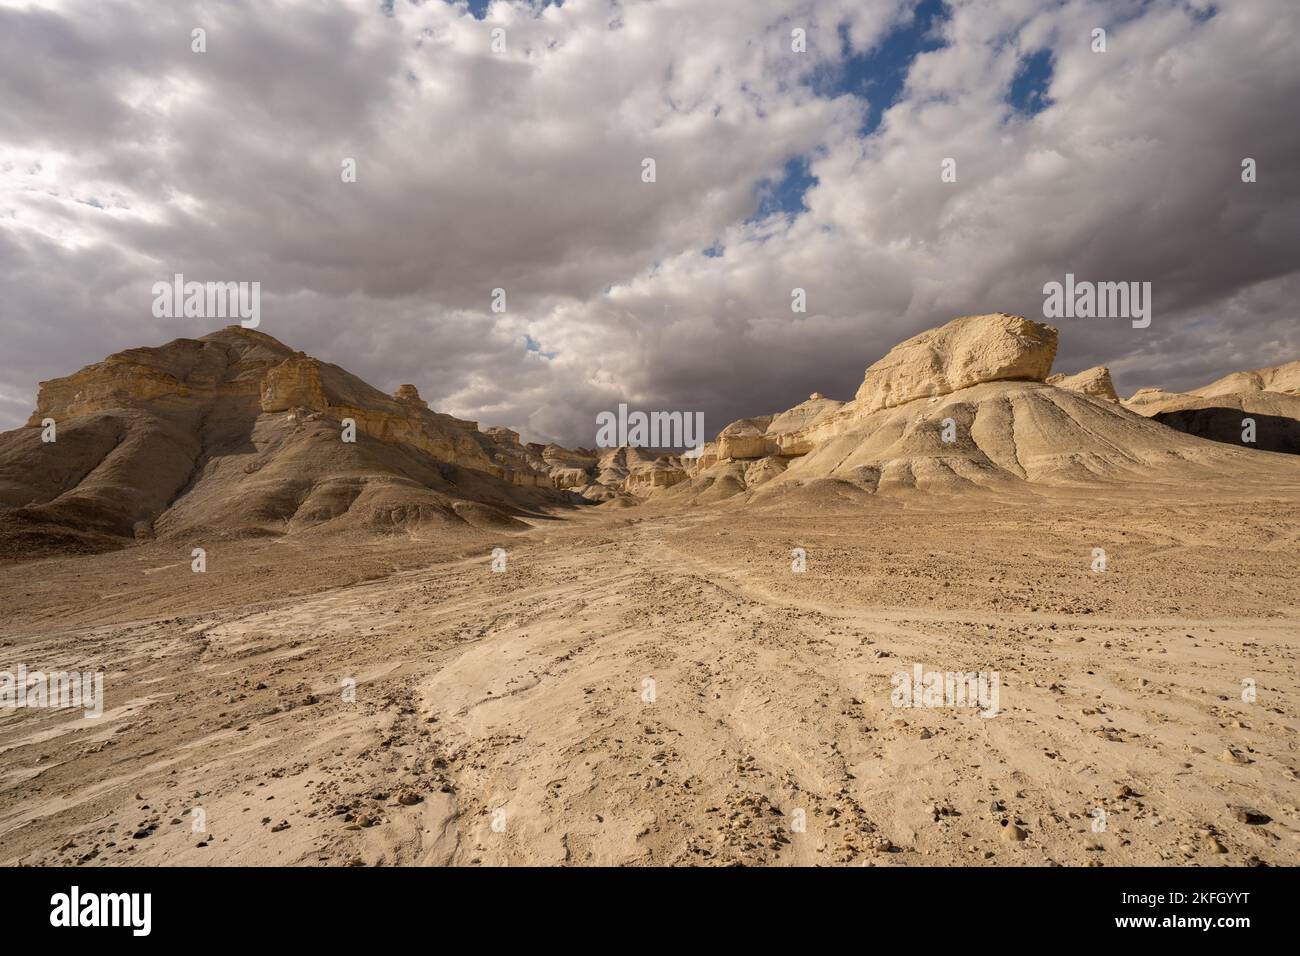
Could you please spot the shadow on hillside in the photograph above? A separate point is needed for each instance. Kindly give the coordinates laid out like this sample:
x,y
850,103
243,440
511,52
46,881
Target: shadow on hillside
x,y
1272,432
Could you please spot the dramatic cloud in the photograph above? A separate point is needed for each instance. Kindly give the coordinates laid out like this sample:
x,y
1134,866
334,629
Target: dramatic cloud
x,y
126,157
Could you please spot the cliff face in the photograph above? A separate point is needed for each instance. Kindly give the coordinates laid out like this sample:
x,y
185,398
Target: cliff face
x,y
403,418
662,473
232,363
294,383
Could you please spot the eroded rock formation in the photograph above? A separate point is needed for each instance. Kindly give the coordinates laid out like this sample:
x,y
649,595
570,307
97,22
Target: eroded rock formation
x,y
965,352
1094,381
235,433
1258,408
967,404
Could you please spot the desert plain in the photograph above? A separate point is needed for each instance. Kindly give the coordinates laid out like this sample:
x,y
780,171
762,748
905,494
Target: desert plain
x,y
649,680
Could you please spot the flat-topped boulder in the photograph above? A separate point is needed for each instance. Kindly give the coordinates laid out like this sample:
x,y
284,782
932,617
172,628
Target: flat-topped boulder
x,y
745,438
967,351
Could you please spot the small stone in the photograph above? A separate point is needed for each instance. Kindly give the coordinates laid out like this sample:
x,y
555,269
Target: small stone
x,y
1011,833
1250,815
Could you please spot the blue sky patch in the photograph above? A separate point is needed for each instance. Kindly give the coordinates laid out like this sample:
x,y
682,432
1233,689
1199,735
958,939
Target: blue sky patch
x,y
532,345
786,194
879,74
478,8
1029,88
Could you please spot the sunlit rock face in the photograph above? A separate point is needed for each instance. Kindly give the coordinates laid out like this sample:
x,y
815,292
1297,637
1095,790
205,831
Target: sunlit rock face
x,y
967,351
1093,381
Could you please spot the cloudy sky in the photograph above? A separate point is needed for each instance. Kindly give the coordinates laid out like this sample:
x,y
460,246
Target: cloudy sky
x,y
126,157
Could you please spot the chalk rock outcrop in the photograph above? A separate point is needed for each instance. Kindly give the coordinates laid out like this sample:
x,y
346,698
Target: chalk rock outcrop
x,y
294,383
967,351
792,433
787,434
1282,379
663,472
745,438
181,374
1095,381
763,470
569,468
700,458
304,382
615,464
410,395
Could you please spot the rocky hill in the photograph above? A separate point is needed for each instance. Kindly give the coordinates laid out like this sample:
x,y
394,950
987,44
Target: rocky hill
x,y
236,434
969,404
1268,397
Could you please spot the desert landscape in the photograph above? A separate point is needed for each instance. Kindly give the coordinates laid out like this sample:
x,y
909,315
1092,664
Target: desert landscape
x,y
441,645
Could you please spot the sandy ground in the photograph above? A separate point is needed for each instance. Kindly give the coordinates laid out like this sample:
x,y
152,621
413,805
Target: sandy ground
x,y
506,718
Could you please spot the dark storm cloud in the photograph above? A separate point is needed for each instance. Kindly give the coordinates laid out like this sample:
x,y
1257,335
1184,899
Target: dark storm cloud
x,y
125,157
